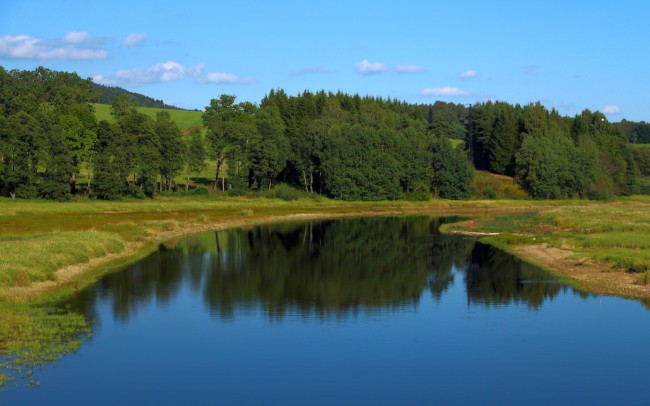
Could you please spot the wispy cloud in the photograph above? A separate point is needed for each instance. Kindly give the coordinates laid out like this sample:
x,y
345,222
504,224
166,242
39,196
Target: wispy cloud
x,y
226,78
468,74
443,91
409,69
161,72
167,72
370,68
309,70
134,40
27,47
76,37
611,109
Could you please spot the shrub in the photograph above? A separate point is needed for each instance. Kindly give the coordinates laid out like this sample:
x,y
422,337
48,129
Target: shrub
x,y
285,192
201,190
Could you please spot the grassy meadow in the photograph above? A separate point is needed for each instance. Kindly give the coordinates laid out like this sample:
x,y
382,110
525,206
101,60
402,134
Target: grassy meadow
x,y
184,118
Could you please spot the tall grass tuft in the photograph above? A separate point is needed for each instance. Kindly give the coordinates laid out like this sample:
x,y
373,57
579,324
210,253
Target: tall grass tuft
x,y
30,258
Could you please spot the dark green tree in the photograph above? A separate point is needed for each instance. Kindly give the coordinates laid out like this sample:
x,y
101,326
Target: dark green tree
x,y
452,172
196,154
109,169
172,149
273,151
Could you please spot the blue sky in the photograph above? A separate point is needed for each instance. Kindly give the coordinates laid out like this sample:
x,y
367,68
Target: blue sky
x,y
567,54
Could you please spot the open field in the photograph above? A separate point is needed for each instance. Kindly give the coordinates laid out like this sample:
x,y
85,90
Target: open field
x,y
184,118
50,249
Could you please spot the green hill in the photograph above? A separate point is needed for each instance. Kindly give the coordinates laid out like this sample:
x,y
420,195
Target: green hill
x,y
184,118
108,93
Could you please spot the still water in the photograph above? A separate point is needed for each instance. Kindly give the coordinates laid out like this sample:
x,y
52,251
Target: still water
x,y
374,311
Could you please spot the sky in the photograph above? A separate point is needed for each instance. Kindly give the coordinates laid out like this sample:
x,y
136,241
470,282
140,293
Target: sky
x,y
568,54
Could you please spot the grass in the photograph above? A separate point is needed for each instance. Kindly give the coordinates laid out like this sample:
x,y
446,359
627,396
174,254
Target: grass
x,y
184,118
616,234
28,258
490,186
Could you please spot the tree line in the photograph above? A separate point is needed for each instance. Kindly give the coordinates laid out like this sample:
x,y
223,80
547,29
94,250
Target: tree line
x,y
106,95
334,144
552,156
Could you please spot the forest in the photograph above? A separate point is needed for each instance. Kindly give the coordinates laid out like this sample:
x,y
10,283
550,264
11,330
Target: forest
x,y
337,145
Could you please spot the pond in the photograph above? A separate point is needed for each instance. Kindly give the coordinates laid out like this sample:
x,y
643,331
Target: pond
x,y
375,310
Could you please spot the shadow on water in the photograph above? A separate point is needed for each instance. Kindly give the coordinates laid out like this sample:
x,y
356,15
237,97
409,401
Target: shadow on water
x,y
326,268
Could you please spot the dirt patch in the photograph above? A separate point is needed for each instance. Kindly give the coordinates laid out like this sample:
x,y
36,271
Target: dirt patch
x,y
594,277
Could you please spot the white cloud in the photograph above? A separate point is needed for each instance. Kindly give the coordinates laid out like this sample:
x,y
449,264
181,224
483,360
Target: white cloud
x,y
161,72
134,40
167,72
611,110
370,68
443,91
409,69
468,74
76,37
26,47
226,78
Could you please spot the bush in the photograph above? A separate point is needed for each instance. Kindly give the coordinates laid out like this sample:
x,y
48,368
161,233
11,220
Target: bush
x,y
286,192
201,190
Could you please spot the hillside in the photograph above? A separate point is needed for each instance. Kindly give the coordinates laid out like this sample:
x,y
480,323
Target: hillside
x,y
108,93
184,118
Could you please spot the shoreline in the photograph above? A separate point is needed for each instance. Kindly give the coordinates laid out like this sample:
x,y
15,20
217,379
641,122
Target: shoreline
x,y
590,277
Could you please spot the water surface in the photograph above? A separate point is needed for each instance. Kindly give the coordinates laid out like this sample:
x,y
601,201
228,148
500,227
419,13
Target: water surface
x,y
380,310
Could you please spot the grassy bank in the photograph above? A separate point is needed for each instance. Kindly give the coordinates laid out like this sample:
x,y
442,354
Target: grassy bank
x,y
50,249
603,248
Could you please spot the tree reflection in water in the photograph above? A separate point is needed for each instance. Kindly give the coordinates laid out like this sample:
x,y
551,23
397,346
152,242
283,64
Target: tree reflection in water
x,y
327,268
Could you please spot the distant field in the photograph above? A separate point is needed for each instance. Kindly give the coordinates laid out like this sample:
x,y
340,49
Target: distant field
x,y
640,145
184,118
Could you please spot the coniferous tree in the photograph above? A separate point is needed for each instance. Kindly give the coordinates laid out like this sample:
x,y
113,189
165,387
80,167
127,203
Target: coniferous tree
x,y
452,172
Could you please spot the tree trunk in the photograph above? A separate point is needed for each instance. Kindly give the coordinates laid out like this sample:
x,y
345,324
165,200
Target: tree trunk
x,y
304,180
216,177
73,184
311,181
223,184
88,184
